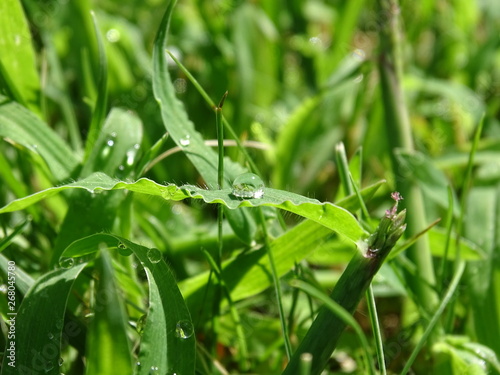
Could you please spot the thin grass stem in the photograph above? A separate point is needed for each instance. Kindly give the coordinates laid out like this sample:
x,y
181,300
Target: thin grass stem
x,y
277,286
435,318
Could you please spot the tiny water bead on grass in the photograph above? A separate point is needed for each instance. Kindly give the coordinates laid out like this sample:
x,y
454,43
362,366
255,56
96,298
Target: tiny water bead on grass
x,y
248,185
154,255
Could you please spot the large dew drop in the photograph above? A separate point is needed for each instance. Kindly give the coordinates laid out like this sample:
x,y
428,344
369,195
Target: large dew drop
x,y
67,263
154,255
184,329
248,185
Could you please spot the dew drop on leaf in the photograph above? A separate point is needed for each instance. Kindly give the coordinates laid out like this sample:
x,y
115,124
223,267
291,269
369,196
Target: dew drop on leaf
x,y
184,329
67,263
248,185
185,141
123,249
154,255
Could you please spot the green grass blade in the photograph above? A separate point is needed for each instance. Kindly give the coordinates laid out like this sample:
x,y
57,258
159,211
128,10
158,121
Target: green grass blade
x,y
168,342
108,348
39,336
349,290
101,104
183,132
428,330
115,153
342,314
175,118
22,127
23,280
399,132
18,62
327,214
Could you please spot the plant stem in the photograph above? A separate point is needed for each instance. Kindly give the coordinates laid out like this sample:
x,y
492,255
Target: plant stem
x,y
372,312
400,136
277,286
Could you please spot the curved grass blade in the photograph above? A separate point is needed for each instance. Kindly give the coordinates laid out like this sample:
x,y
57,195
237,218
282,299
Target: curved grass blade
x,y
327,214
168,343
184,134
20,126
40,328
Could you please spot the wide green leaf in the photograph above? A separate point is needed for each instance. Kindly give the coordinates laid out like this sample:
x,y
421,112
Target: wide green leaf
x,y
40,325
17,62
168,343
327,214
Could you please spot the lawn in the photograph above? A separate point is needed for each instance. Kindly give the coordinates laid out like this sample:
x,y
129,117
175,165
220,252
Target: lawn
x,y
249,187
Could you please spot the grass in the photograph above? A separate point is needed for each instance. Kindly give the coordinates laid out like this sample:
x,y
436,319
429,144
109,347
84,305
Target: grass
x,y
125,250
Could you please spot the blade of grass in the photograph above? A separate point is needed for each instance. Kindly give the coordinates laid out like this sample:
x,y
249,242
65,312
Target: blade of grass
x,y
107,330
350,186
20,126
348,291
435,318
101,104
18,62
277,286
211,103
168,340
334,217
39,337
240,334
400,136
344,315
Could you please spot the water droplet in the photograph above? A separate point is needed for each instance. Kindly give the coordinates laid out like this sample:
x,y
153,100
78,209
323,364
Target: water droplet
x,y
61,361
67,263
185,141
110,142
121,168
141,323
137,146
113,35
184,329
51,336
138,364
248,185
153,370
17,39
123,249
154,255
131,156
3,288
